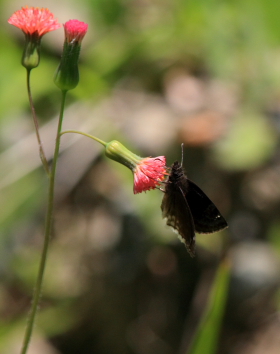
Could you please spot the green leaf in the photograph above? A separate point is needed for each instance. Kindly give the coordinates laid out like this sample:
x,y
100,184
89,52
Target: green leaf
x,y
207,335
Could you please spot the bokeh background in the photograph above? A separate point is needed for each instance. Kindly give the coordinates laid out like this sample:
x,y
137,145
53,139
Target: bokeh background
x,y
153,74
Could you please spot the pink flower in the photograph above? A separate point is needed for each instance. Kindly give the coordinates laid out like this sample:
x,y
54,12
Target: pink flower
x,y
33,20
149,173
75,31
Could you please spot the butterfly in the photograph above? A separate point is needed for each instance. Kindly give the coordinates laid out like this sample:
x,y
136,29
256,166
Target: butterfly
x,y
187,208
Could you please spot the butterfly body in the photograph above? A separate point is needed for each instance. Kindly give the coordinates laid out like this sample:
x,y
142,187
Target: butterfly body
x,y
187,208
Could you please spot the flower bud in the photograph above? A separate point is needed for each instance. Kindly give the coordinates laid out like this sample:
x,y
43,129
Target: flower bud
x,y
118,152
31,54
67,74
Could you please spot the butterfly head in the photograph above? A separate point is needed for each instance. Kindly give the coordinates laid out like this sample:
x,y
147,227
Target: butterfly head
x,y
176,172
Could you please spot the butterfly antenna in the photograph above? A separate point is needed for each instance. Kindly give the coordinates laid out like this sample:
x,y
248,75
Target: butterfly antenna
x,y
182,147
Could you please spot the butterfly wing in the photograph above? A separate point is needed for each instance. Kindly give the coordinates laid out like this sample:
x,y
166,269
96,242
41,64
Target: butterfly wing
x,y
206,216
176,210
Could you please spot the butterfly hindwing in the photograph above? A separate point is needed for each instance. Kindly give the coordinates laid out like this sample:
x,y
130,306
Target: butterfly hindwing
x,y
177,212
206,216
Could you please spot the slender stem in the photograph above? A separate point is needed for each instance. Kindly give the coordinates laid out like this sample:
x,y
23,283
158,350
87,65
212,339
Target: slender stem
x,y
48,228
85,134
36,124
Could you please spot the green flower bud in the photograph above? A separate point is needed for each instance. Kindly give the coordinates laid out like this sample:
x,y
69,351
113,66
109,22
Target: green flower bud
x,y
67,74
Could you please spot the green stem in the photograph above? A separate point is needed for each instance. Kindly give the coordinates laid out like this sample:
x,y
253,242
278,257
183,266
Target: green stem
x,y
48,228
85,134
36,124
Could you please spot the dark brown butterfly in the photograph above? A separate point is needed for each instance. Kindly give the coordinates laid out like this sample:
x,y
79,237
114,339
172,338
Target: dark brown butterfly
x,y
187,209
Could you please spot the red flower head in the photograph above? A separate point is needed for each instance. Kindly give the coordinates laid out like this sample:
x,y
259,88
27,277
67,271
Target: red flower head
x,y
75,31
33,20
148,172
67,74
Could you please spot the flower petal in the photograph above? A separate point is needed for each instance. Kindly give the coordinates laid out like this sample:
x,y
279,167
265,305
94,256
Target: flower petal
x,y
75,30
149,173
34,19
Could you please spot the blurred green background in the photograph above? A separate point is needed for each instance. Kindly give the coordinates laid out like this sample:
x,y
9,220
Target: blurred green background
x,y
153,74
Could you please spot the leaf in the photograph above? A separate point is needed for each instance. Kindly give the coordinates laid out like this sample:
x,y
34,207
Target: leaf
x,y
207,335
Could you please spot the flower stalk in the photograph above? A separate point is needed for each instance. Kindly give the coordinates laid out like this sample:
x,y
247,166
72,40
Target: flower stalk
x,y
74,27
36,124
47,235
85,134
148,172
